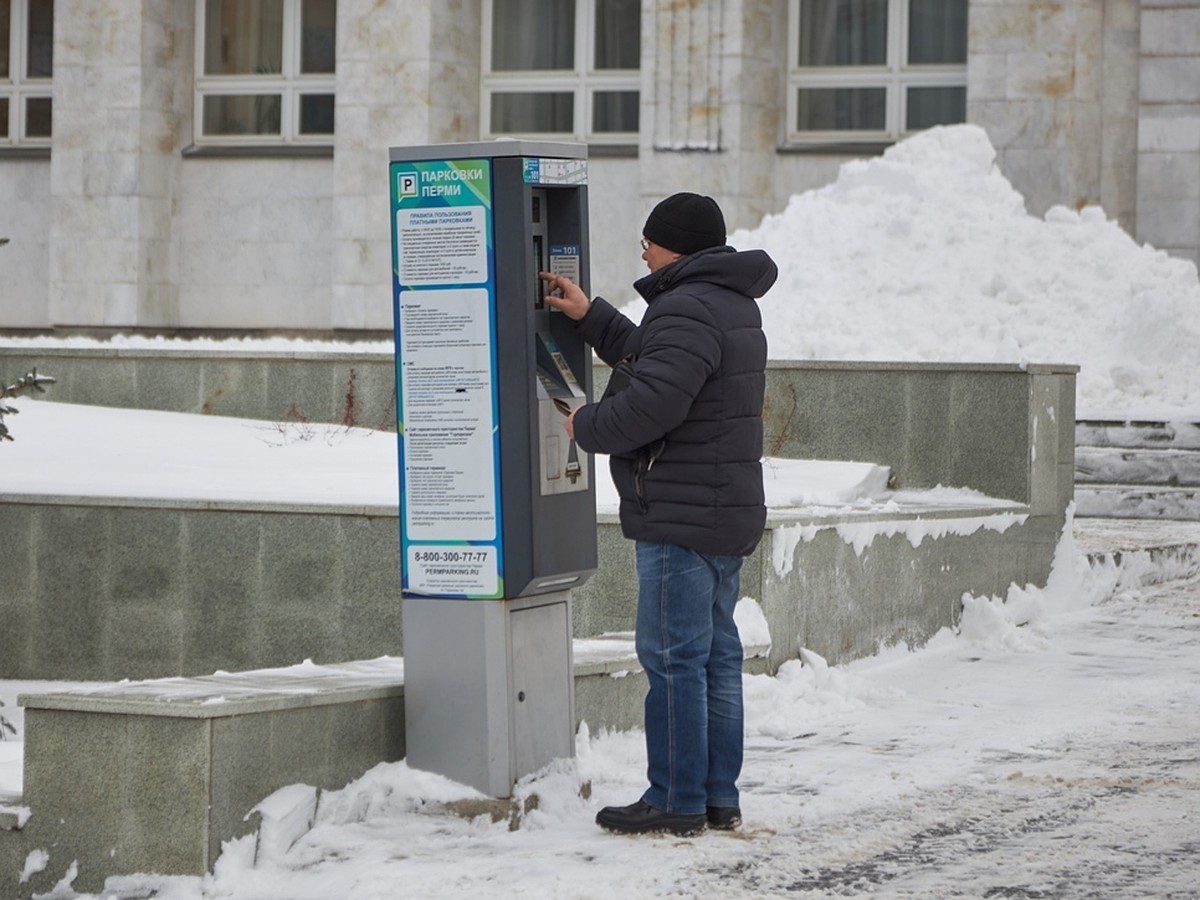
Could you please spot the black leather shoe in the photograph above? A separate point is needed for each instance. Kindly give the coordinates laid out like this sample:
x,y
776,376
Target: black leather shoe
x,y
642,818
724,818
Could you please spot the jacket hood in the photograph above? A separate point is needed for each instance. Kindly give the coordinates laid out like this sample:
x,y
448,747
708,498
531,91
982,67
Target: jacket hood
x,y
748,272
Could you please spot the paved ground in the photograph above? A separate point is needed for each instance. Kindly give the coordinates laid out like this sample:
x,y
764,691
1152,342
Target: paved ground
x,y
1106,810
1111,814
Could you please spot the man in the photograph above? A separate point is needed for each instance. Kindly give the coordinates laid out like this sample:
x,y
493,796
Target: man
x,y
682,424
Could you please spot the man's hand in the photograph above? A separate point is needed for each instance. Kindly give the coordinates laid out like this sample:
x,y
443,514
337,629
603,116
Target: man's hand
x,y
569,423
565,295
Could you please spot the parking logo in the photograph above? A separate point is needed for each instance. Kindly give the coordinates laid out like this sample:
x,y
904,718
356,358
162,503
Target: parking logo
x,y
406,184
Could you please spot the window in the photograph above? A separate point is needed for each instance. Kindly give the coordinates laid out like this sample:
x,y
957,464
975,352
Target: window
x,y
26,62
265,72
562,69
874,70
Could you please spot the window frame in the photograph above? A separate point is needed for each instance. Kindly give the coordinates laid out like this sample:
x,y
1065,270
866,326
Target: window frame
x,y
18,88
895,76
290,84
583,82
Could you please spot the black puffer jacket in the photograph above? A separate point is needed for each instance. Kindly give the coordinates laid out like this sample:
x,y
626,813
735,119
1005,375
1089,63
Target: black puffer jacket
x,y
685,437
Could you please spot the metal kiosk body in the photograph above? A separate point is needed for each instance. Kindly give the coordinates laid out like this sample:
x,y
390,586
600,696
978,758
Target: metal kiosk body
x,y
497,506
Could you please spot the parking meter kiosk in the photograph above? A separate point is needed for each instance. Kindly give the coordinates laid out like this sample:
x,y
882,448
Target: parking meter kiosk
x,y
497,504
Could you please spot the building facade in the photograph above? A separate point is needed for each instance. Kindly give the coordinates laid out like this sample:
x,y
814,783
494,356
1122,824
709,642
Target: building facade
x,y
220,165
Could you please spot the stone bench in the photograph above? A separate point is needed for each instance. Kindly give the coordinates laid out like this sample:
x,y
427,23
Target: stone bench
x,y
157,775
154,775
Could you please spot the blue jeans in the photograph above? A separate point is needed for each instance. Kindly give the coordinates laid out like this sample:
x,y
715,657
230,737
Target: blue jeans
x,y
689,647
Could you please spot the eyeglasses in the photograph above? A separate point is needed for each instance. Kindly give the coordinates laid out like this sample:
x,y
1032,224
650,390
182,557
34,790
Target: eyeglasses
x,y
645,244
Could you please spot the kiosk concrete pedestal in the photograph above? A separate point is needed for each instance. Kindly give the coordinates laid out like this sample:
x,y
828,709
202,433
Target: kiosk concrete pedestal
x,y
488,688
497,504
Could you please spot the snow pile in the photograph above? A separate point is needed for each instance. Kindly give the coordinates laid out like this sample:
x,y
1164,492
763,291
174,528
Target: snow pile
x,y
927,253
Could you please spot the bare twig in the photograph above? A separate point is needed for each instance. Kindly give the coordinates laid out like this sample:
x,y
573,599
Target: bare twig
x,y
32,381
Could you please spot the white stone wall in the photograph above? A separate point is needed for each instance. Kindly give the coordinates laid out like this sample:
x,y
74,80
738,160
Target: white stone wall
x,y
1168,176
712,83
117,114
94,192
255,243
24,260
1034,78
1118,138
1087,101
615,219
407,74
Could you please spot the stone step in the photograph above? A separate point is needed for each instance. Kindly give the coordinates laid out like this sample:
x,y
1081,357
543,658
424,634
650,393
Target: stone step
x,y
1149,550
1135,501
1112,465
1135,434
199,754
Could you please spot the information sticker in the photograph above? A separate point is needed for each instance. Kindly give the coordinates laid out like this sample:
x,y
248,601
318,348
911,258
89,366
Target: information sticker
x,y
453,569
535,170
447,396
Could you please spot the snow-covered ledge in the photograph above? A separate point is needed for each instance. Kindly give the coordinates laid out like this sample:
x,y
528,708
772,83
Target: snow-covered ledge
x,y
158,543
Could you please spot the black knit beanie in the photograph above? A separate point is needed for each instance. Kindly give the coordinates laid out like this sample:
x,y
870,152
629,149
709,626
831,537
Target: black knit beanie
x,y
686,223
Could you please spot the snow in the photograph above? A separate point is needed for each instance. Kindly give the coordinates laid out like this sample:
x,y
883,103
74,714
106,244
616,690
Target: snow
x,y
927,253
155,455
1043,748
151,455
